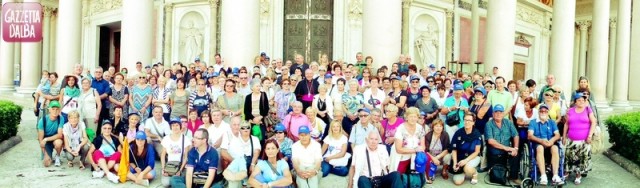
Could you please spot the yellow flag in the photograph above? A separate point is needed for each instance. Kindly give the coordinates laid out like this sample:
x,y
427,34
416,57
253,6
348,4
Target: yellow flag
x,y
123,169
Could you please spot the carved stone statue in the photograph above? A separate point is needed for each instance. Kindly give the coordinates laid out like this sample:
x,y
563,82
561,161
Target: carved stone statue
x,y
426,45
191,42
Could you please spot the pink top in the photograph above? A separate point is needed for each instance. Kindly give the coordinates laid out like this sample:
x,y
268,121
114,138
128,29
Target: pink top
x,y
194,125
390,130
294,122
579,124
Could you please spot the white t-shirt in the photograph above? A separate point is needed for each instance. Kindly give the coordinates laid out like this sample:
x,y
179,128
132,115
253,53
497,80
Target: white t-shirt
x,y
520,113
308,156
74,134
173,147
380,96
239,148
222,131
161,129
335,147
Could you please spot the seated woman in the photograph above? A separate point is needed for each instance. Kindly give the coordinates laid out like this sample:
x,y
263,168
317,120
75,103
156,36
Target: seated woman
x,y
284,142
272,170
175,146
437,144
105,153
75,139
141,160
133,126
335,151
465,148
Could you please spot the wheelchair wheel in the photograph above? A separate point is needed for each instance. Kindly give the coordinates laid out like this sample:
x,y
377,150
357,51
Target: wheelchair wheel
x,y
525,162
527,183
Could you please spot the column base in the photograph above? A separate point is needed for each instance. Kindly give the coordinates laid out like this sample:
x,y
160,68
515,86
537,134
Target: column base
x,y
7,88
622,105
635,104
25,90
603,106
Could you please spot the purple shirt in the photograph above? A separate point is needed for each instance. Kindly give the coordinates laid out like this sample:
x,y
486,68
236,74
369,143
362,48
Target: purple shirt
x,y
579,124
390,129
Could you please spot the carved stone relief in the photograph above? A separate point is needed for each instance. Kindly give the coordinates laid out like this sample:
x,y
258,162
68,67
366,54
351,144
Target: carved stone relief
x,y
100,6
355,9
191,33
530,16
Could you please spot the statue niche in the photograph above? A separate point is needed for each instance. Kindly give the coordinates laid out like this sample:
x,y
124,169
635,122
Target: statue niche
x,y
191,39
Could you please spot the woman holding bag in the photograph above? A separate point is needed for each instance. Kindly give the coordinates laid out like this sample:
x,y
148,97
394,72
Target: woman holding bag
x,y
409,140
271,170
173,160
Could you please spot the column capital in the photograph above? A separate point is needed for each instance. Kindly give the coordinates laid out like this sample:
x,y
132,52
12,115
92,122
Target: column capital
x,y
613,23
584,25
406,3
449,13
48,11
546,32
214,3
168,8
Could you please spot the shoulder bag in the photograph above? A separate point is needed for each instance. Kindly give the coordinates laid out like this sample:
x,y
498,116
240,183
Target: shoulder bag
x,y
172,167
454,119
376,181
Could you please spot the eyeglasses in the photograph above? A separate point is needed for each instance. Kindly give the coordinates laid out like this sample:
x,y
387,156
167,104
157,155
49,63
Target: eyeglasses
x,y
468,120
363,115
245,128
347,72
415,82
243,78
322,70
430,81
198,138
548,95
279,132
142,77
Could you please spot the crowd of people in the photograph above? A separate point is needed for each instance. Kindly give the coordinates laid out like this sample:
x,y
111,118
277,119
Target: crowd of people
x,y
280,124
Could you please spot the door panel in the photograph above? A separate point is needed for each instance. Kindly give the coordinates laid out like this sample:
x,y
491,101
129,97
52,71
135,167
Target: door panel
x,y
518,70
308,28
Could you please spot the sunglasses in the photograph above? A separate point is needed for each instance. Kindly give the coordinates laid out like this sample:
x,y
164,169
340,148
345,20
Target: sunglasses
x,y
142,77
279,132
548,95
244,128
430,81
229,86
415,82
544,111
363,115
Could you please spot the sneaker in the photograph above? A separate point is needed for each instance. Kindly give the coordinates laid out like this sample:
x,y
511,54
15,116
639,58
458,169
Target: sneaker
x,y
145,183
557,180
112,177
57,161
544,180
98,174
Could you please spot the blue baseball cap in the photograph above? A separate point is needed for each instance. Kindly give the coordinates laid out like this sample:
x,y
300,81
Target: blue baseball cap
x,y
364,110
304,129
543,106
414,77
235,70
175,120
457,87
280,127
498,108
481,90
328,75
197,59
421,162
140,135
422,113
432,66
579,95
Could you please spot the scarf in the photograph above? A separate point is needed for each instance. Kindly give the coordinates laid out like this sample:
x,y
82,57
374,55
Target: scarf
x,y
72,92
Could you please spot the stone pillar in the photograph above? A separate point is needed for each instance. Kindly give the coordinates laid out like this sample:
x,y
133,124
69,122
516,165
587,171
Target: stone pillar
x,y
475,32
576,57
562,35
213,26
381,33
137,34
69,33
30,65
599,50
621,83
501,24
52,39
582,62
240,36
634,60
612,58
6,61
46,39
449,37
168,24
406,6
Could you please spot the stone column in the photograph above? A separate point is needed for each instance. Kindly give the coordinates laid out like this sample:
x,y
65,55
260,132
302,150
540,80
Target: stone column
x,y
621,83
501,24
475,32
213,26
69,33
634,60
406,6
599,50
31,63
449,37
137,34
240,37
562,35
612,58
52,39
46,40
576,56
582,62
168,24
6,61
381,33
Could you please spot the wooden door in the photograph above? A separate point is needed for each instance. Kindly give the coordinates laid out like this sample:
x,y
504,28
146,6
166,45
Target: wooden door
x,y
308,28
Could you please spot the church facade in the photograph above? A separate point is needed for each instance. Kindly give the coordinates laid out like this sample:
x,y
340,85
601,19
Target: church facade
x,y
464,35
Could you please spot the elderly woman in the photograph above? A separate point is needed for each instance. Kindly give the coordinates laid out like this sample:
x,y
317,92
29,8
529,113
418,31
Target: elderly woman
x,y
161,96
455,105
580,127
120,123
427,105
230,103
316,124
554,108
89,105
75,139
179,100
256,107
373,96
335,151
390,124
437,145
397,96
465,148
409,140
324,104
353,101
140,98
105,153
284,98
294,120
272,169
119,94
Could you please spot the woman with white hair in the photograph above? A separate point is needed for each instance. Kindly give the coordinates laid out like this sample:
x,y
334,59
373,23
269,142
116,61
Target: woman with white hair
x,y
324,104
256,107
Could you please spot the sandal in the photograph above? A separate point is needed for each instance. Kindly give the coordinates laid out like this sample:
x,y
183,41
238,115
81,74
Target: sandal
x,y
474,179
81,167
70,164
578,180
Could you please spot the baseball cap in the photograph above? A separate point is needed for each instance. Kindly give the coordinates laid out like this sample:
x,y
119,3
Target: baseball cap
x,y
364,110
197,59
421,162
140,135
235,70
432,66
543,106
147,67
578,95
328,75
304,129
280,127
481,90
175,120
54,104
498,108
263,54
457,87
467,84
414,77
105,122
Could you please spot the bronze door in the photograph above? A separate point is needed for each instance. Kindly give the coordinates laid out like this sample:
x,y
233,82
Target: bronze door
x,y
308,29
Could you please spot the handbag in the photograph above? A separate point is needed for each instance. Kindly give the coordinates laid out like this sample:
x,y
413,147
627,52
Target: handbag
x,y
413,179
376,181
498,174
172,167
200,178
454,119
250,157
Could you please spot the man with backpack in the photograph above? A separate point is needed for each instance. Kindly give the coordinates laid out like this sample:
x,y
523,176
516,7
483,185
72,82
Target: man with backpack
x,y
50,134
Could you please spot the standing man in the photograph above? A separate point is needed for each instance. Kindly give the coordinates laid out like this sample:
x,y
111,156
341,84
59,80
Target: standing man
x,y
243,87
299,63
139,68
218,65
499,133
306,89
104,90
50,134
500,95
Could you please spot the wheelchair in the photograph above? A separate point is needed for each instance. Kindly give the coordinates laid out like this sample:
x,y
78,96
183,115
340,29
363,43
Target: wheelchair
x,y
529,169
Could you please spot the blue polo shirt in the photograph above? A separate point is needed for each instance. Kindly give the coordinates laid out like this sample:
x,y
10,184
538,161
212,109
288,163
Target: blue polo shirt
x,y
102,86
543,130
502,135
208,160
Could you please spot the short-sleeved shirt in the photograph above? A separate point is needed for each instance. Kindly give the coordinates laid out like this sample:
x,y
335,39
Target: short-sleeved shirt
x,y
502,135
175,149
409,141
267,172
74,135
239,148
208,160
161,129
309,155
51,127
102,86
359,133
504,98
465,144
543,130
451,102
